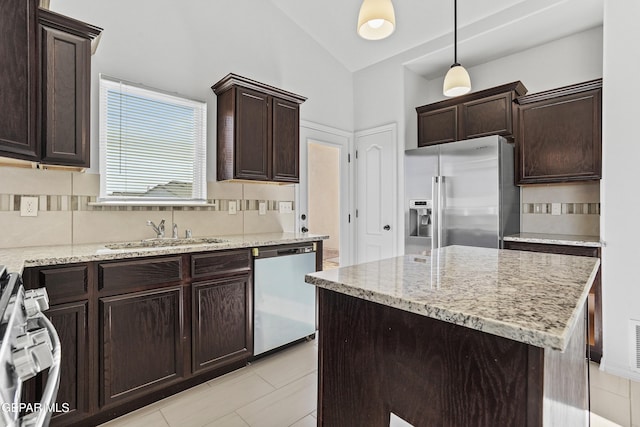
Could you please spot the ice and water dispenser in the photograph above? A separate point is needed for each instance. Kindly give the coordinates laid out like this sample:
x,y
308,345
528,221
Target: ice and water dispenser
x,y
420,220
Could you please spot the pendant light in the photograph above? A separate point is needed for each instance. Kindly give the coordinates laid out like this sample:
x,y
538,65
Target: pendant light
x,y
376,19
457,81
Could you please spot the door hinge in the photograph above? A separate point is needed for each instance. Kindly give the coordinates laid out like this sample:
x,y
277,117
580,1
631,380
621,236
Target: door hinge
x,y
356,154
356,213
349,219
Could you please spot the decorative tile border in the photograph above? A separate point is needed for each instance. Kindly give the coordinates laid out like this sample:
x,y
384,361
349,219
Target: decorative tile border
x,y
52,203
565,208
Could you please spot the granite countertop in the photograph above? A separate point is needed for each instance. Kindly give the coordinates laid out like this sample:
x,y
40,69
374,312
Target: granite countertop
x,y
556,239
19,258
530,297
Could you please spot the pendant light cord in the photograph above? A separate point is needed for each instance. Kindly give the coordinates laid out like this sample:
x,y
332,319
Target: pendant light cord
x,y
455,32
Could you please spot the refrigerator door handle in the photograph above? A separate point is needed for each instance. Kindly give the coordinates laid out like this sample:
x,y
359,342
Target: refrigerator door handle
x,y
435,218
440,212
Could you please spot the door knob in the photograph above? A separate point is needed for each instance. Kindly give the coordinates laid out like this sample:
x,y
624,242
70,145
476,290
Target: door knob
x,y
387,227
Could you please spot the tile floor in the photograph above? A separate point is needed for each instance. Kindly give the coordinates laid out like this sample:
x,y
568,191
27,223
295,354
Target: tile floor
x,y
276,391
280,391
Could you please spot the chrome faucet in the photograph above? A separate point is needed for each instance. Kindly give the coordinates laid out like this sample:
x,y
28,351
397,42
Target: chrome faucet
x,y
158,229
175,231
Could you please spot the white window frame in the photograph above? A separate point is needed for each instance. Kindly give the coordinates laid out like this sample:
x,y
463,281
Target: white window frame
x,y
199,185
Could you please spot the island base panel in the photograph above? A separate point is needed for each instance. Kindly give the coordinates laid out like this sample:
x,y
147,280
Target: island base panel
x,y
375,360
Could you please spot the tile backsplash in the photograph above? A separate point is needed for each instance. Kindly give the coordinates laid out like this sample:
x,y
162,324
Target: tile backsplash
x,y
67,213
576,205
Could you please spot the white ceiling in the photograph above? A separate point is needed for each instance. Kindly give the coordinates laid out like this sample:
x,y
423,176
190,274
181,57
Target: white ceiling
x,y
487,29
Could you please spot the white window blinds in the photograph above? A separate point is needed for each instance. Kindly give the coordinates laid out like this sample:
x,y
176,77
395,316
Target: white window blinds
x,y
152,145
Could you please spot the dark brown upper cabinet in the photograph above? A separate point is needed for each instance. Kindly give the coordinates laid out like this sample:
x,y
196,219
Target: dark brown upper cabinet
x,y
18,79
258,131
482,113
560,135
45,85
65,67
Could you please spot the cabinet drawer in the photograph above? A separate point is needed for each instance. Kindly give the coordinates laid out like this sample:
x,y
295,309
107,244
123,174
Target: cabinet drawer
x,y
139,273
63,283
553,249
220,263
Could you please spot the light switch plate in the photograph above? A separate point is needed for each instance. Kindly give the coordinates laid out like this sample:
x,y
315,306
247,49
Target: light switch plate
x,y
232,207
262,208
28,206
285,207
556,208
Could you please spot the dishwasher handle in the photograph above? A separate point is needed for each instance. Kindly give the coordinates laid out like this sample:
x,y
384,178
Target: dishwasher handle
x,y
275,252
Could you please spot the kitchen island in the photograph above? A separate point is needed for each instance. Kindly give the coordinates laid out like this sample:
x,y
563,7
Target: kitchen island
x,y
463,337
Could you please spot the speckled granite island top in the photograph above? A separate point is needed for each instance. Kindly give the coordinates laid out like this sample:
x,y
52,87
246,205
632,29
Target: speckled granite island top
x,y
19,258
556,239
528,297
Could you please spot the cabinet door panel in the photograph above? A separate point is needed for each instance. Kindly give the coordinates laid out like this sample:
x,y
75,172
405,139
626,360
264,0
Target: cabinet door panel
x,y
253,154
286,141
70,320
560,139
65,101
18,79
221,322
438,126
141,343
487,116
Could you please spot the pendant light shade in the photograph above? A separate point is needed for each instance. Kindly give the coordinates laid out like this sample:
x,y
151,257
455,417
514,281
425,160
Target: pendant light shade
x,y
457,81
376,19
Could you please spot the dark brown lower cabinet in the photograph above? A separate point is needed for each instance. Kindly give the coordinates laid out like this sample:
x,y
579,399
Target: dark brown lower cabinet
x,y
221,322
140,344
70,320
594,303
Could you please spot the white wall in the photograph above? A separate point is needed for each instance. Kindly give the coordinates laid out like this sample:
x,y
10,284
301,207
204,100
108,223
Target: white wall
x,y
619,187
186,47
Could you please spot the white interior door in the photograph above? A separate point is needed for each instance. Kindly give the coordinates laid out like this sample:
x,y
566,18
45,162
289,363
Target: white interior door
x,y
310,134
376,181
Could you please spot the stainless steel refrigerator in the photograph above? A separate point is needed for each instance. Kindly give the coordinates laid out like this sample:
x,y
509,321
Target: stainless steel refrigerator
x,y
460,193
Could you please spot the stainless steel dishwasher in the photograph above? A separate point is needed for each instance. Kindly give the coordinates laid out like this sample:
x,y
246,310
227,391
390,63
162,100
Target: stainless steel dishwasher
x,y
284,305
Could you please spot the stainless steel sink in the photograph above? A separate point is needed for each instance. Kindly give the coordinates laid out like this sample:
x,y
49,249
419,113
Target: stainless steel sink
x,y
165,241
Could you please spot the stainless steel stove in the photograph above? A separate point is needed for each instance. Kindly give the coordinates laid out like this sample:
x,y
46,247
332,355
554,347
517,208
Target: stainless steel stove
x,y
29,345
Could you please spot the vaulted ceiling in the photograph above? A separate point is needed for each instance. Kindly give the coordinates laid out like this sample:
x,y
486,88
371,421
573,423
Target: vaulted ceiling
x,y
487,29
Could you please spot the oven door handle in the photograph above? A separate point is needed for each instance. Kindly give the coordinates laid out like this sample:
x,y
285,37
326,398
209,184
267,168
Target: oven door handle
x,y
42,417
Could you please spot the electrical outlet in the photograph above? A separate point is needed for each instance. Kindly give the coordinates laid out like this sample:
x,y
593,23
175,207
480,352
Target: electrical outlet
x,y
285,207
232,208
28,206
556,208
262,208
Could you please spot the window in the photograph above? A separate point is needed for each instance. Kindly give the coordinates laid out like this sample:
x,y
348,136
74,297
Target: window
x,y
152,145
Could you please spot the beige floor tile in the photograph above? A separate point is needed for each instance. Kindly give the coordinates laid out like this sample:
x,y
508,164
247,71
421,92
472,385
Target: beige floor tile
x,y
139,419
635,404
231,420
308,421
598,421
611,383
284,406
225,395
611,406
289,365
